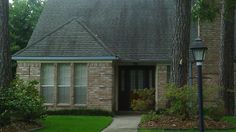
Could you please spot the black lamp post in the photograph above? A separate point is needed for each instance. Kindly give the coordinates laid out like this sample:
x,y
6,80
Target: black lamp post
x,y
199,52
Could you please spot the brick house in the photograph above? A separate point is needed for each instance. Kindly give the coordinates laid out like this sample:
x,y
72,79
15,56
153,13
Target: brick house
x,y
92,53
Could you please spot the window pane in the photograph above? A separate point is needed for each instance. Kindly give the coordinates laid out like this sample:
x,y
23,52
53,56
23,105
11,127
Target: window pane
x,y
47,93
64,74
132,79
140,79
81,83
63,94
47,82
81,95
81,74
47,74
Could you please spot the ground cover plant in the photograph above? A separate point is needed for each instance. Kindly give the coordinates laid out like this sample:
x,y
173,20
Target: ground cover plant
x,y
181,111
64,123
231,120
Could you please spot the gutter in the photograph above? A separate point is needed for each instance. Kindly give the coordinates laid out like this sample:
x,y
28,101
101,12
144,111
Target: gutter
x,y
64,58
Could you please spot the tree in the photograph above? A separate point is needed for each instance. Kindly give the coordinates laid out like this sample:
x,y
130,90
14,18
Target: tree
x,y
24,16
227,54
181,41
5,58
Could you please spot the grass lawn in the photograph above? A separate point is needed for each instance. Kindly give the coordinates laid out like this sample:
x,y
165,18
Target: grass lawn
x,y
229,119
75,123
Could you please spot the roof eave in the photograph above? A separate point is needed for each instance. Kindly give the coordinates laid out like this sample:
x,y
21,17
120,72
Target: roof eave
x,y
19,58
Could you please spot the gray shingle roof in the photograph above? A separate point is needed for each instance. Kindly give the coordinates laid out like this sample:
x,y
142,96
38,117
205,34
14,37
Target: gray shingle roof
x,y
72,39
129,29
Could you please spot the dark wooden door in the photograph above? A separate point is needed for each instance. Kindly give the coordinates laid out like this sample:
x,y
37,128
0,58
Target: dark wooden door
x,y
131,78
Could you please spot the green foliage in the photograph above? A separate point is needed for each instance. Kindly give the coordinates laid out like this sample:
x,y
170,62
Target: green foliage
x,y
151,116
143,99
215,112
21,102
205,10
183,101
89,112
23,16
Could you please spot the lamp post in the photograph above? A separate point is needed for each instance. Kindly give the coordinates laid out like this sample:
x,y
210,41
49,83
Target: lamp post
x,y
199,52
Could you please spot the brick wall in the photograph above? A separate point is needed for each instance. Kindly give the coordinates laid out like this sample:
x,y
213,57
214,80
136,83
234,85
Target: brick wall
x,y
210,34
100,84
28,71
161,81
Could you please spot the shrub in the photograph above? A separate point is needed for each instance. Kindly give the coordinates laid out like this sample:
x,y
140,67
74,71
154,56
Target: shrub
x,y
183,101
143,99
21,101
88,112
215,111
151,116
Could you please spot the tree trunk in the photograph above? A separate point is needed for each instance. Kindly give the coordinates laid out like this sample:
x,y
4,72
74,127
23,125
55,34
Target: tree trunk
x,y
181,41
227,57
5,58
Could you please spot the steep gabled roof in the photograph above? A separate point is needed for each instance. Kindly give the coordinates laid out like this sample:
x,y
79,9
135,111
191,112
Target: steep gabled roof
x,y
130,29
71,39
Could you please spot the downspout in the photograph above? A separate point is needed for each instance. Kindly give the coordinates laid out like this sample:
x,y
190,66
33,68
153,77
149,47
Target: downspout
x,y
190,80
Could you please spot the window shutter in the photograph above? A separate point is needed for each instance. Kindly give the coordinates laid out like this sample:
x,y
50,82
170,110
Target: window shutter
x,y
81,83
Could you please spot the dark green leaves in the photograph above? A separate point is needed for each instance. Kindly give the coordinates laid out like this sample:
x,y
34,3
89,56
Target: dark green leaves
x,y
205,10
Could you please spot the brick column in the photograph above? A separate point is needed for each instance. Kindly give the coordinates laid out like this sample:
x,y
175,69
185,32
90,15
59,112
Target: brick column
x,y
161,81
100,85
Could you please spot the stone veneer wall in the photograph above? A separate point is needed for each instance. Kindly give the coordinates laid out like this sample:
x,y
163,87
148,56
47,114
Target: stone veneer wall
x,y
100,83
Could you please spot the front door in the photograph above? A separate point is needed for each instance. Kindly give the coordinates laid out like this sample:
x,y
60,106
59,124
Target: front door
x,y
131,78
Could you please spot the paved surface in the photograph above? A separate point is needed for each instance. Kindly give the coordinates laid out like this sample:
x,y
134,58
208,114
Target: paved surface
x,y
124,123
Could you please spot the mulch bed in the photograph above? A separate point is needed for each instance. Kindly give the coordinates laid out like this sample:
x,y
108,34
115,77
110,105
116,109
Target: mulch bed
x,y
20,127
170,122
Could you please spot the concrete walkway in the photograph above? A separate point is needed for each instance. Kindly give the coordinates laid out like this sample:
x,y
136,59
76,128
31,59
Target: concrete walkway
x,y
124,123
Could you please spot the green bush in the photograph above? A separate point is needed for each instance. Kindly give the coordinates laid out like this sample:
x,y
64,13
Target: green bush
x,y
183,101
151,116
21,102
215,111
143,99
88,112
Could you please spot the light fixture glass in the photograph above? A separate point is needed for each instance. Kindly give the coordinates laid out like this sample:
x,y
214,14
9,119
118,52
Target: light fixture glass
x,y
199,51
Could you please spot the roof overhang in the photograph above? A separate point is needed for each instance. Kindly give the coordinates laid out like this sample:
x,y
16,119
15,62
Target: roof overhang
x,y
64,58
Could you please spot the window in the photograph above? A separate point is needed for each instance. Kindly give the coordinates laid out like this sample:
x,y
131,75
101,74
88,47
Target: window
x,y
80,83
64,83
64,77
141,77
47,82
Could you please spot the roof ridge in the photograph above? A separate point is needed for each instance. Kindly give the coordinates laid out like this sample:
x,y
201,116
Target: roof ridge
x,y
100,42
53,31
